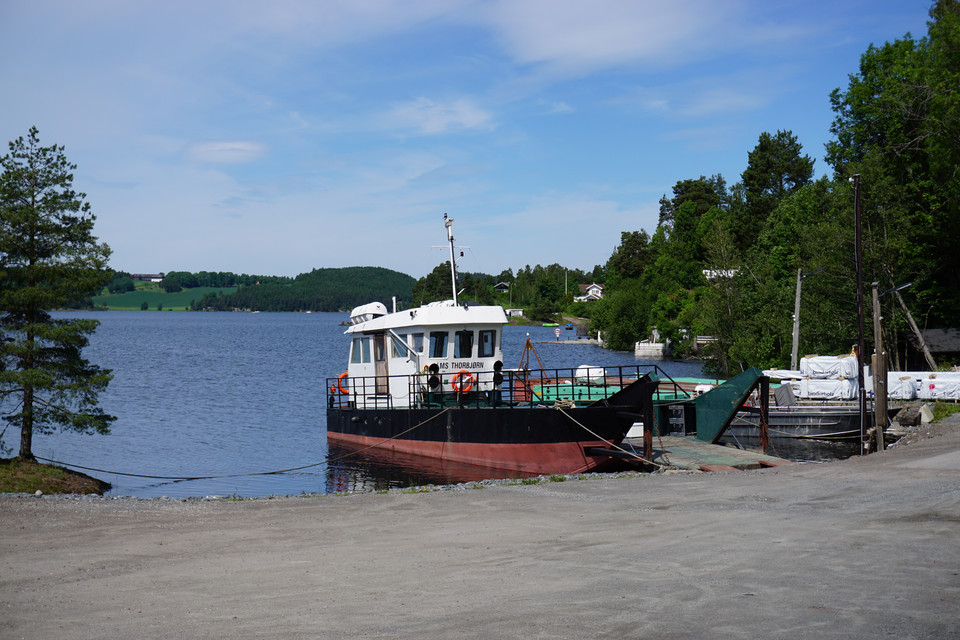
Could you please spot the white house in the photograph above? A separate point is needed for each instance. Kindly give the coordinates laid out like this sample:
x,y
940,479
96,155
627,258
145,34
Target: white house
x,y
590,292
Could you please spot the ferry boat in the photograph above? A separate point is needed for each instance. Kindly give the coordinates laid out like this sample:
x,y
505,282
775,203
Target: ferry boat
x,y
430,381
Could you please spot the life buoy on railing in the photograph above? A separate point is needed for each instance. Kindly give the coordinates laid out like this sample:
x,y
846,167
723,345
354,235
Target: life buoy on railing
x,y
340,379
458,384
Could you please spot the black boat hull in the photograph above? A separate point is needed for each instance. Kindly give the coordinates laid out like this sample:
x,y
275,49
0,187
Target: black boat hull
x,y
538,440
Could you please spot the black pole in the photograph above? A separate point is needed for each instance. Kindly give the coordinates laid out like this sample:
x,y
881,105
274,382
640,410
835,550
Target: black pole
x,y
860,321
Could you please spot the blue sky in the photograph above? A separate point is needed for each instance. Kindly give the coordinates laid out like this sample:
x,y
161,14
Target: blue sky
x,y
277,137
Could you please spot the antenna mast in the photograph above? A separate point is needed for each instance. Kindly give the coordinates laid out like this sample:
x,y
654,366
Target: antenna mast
x,y
448,222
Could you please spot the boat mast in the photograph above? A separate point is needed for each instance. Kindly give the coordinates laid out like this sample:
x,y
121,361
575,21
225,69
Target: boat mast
x,y
448,222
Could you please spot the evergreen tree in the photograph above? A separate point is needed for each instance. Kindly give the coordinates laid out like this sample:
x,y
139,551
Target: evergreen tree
x,y
775,168
49,259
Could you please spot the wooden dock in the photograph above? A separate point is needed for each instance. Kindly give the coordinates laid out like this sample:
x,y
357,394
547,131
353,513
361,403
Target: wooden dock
x,y
690,453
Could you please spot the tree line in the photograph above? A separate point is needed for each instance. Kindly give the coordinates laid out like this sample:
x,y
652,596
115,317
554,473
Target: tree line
x,y
542,291
320,290
176,281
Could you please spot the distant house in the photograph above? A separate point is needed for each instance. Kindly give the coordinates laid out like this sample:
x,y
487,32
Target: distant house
x,y
501,287
514,313
590,292
716,274
147,277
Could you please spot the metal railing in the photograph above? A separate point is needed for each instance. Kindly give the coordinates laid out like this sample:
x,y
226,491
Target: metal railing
x,y
502,388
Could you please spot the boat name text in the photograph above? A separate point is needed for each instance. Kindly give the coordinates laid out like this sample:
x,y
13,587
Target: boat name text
x,y
465,364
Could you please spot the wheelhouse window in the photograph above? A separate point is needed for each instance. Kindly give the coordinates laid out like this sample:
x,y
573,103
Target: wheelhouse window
x,y
417,342
488,344
438,344
399,348
463,344
360,351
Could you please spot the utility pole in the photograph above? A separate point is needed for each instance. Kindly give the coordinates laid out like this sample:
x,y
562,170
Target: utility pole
x,y
880,367
794,355
879,373
858,250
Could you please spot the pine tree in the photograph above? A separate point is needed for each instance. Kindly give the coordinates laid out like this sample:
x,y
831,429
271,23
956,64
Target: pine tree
x,y
49,259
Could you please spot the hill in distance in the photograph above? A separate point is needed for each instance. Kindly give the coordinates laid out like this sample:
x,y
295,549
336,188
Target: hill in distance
x,y
330,289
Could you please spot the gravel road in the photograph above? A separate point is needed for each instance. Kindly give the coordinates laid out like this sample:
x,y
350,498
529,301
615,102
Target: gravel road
x,y
862,548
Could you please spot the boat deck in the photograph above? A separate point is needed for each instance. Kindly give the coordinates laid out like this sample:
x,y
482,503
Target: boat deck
x,y
692,454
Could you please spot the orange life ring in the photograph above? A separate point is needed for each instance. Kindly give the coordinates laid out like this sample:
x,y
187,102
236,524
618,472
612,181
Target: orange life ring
x,y
457,384
340,380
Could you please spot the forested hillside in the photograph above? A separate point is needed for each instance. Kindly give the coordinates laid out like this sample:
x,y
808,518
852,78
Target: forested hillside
x,y
320,290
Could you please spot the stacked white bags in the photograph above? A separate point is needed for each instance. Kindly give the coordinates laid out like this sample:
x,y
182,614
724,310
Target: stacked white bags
x,y
829,377
900,386
939,386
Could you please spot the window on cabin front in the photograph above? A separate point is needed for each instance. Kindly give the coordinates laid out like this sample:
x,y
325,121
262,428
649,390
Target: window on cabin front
x,y
438,344
399,348
488,344
463,344
417,343
360,351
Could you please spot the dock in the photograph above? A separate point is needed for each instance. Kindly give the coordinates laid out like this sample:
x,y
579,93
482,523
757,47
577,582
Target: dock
x,y
695,455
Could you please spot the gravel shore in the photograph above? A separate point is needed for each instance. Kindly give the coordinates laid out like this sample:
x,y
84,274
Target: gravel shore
x,y
862,548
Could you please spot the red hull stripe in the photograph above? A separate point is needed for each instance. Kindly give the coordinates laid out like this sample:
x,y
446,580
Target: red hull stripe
x,y
540,458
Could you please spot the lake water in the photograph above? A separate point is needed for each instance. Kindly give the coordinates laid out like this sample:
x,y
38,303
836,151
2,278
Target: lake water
x,y
232,394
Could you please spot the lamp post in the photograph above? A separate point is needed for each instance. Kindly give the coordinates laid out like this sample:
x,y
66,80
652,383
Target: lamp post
x,y
880,367
795,353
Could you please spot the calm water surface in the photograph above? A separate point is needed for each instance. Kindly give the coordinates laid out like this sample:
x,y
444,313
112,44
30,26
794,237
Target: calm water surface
x,y
233,394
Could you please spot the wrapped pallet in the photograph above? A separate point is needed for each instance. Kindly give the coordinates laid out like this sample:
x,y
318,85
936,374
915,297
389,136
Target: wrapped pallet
x,y
939,388
783,374
829,367
900,387
590,375
829,389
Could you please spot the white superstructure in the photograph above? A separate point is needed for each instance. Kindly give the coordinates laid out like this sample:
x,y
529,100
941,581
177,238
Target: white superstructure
x,y
438,347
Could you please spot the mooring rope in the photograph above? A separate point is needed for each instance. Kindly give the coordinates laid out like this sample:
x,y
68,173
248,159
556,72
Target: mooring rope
x,y
327,460
602,439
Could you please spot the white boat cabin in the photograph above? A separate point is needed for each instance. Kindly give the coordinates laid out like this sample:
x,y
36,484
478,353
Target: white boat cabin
x,y
442,347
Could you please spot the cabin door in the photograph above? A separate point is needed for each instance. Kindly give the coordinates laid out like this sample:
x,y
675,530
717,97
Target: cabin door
x,y
380,364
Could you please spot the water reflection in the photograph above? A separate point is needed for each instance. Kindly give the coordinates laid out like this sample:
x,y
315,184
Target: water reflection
x,y
374,469
798,449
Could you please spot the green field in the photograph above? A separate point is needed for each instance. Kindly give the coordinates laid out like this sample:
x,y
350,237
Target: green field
x,y
153,295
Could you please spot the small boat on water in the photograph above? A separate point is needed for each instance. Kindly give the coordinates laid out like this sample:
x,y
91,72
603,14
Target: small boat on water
x,y
431,382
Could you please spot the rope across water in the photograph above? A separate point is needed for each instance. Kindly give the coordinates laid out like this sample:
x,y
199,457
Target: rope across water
x,y
327,460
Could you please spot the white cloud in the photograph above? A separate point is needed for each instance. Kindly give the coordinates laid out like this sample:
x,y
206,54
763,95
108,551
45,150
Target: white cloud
x,y
225,152
429,117
583,36
560,106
